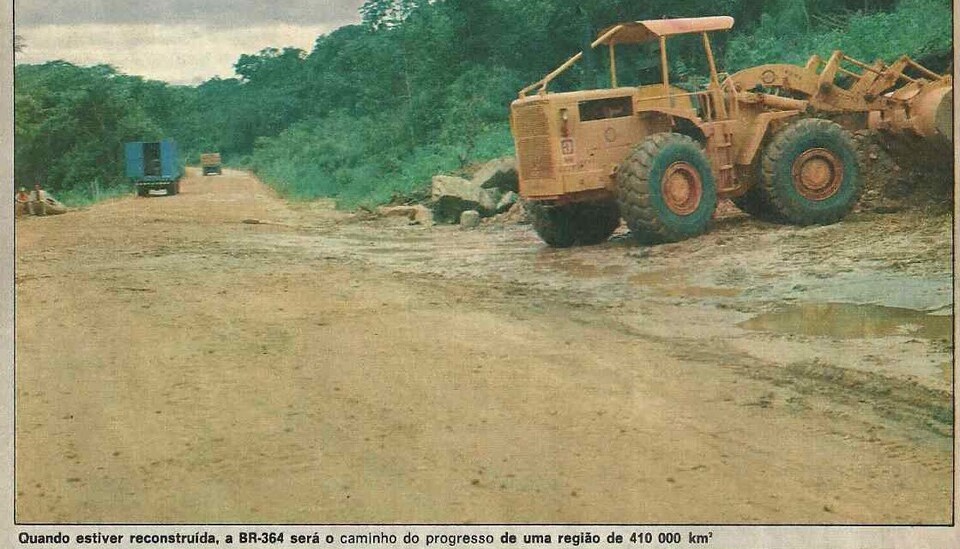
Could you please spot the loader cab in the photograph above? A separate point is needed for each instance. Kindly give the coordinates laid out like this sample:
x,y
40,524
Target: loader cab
x,y
656,33
640,33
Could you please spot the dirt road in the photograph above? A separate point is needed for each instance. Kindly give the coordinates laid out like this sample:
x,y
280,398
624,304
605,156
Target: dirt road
x,y
175,364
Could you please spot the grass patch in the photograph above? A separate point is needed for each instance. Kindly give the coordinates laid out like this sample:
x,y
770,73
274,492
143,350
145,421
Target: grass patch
x,y
86,195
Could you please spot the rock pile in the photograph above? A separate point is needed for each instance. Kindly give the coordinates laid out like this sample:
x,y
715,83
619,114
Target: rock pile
x,y
491,190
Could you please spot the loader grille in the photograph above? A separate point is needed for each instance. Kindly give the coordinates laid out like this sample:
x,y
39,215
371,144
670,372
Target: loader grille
x,y
533,142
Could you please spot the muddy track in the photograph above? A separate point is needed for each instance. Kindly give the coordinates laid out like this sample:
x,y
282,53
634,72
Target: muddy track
x,y
223,355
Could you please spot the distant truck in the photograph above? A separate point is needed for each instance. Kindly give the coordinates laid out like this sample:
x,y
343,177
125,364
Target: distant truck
x,y
154,165
210,162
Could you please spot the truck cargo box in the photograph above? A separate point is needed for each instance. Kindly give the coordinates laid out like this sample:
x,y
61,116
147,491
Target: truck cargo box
x,y
154,165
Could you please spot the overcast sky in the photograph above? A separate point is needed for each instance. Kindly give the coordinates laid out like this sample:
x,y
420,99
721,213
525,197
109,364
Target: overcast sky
x,y
180,41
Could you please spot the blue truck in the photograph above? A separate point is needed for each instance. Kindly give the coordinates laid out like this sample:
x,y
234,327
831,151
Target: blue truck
x,y
154,165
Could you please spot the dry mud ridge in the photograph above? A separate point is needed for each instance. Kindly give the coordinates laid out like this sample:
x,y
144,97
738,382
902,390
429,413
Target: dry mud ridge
x,y
175,364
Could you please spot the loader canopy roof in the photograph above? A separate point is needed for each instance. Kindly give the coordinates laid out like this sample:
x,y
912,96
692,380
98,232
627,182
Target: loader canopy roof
x,y
638,32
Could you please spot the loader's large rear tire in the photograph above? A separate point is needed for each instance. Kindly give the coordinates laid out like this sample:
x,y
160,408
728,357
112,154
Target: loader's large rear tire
x,y
666,189
583,223
810,172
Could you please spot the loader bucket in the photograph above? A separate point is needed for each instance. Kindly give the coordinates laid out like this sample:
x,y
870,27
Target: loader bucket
x,y
927,113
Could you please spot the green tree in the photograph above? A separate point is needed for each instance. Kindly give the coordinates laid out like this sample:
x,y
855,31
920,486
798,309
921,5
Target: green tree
x,y
72,123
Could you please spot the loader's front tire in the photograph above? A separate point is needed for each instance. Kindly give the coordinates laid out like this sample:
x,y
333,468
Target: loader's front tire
x,y
810,172
666,189
585,223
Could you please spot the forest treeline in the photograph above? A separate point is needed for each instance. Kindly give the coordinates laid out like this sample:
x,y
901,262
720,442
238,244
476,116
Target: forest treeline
x,y
418,87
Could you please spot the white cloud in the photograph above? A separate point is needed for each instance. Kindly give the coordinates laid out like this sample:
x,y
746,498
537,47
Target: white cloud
x,y
180,54
232,13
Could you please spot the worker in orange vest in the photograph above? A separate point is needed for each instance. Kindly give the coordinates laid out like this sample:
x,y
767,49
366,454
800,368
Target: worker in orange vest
x,y
21,200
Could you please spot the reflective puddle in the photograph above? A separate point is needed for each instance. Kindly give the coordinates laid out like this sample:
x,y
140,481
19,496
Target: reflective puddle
x,y
664,282
845,320
698,291
649,278
581,269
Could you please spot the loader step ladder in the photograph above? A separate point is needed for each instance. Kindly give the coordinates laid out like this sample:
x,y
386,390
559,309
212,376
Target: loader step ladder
x,y
721,157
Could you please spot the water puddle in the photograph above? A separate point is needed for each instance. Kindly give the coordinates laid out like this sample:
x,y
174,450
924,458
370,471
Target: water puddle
x,y
698,291
581,269
664,283
674,278
655,277
849,321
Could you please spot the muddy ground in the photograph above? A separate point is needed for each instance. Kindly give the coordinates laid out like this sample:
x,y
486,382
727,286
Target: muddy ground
x,y
175,364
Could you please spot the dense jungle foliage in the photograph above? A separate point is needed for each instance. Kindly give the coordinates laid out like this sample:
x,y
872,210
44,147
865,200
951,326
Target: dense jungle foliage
x,y
419,87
